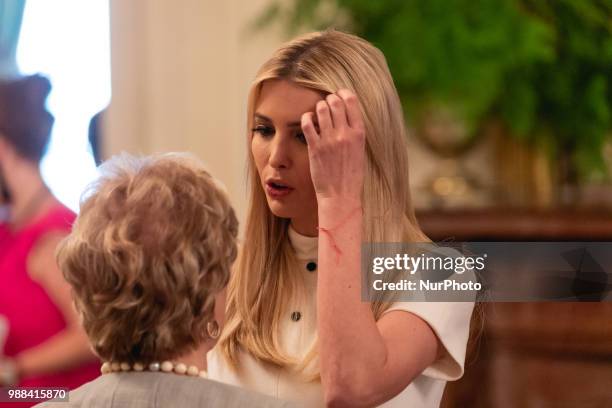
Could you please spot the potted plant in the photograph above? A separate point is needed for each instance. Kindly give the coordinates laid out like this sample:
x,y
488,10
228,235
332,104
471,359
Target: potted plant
x,y
540,69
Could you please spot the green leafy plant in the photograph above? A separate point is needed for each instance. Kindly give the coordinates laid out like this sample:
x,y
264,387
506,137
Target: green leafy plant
x,y
544,68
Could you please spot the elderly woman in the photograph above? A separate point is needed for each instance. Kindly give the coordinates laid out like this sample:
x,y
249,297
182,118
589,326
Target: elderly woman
x,y
148,258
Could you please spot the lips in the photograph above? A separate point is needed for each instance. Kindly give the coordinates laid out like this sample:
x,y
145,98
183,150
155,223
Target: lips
x,y
277,188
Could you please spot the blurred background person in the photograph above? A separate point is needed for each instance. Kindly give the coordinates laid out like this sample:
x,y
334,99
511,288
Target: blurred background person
x,y
148,260
45,345
94,135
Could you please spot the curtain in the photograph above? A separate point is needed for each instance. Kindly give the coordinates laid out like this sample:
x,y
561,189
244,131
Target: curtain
x,y
11,13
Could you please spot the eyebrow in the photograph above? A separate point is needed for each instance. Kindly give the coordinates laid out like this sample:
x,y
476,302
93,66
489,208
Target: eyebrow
x,y
267,119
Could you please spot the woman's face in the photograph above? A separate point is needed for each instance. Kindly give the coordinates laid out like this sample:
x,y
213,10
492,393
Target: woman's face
x,y
281,154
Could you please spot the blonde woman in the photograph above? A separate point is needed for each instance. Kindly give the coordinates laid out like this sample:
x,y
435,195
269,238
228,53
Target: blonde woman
x,y
329,170
147,260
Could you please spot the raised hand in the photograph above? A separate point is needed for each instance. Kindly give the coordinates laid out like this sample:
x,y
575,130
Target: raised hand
x,y
336,148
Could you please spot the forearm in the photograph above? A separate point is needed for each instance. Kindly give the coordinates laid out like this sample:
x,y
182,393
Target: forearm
x,y
352,351
63,351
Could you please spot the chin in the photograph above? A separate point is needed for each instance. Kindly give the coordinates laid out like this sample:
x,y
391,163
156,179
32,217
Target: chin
x,y
280,209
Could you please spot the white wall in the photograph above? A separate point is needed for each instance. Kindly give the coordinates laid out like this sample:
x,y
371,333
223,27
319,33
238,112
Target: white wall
x,y
180,76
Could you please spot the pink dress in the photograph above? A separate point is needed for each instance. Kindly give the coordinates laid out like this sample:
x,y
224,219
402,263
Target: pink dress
x,y
32,316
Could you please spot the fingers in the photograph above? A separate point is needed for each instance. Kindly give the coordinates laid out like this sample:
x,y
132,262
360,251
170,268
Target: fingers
x,y
353,111
324,117
308,127
338,112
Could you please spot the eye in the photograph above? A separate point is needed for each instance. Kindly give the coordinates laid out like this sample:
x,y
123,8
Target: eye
x,y
300,136
264,131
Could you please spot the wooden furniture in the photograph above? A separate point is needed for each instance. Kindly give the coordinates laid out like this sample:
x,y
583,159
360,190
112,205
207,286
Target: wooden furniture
x,y
532,354
513,224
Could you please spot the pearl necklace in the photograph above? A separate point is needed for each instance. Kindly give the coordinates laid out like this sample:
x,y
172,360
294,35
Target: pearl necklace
x,y
165,367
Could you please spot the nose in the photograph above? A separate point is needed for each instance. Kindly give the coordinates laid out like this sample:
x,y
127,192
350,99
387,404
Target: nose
x,y
280,154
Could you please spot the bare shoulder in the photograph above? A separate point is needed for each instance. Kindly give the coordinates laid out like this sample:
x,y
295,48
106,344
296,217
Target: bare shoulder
x,y
41,259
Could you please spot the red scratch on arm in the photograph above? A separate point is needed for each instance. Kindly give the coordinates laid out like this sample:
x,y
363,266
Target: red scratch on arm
x,y
328,231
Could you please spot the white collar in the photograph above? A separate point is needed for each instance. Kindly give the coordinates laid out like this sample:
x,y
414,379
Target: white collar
x,y
306,248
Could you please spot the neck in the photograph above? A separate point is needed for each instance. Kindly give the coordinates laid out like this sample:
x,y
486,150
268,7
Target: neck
x,y
21,178
22,198
306,226
25,184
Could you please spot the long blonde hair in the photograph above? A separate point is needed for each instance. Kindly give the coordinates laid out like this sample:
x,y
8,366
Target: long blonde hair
x,y
265,279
